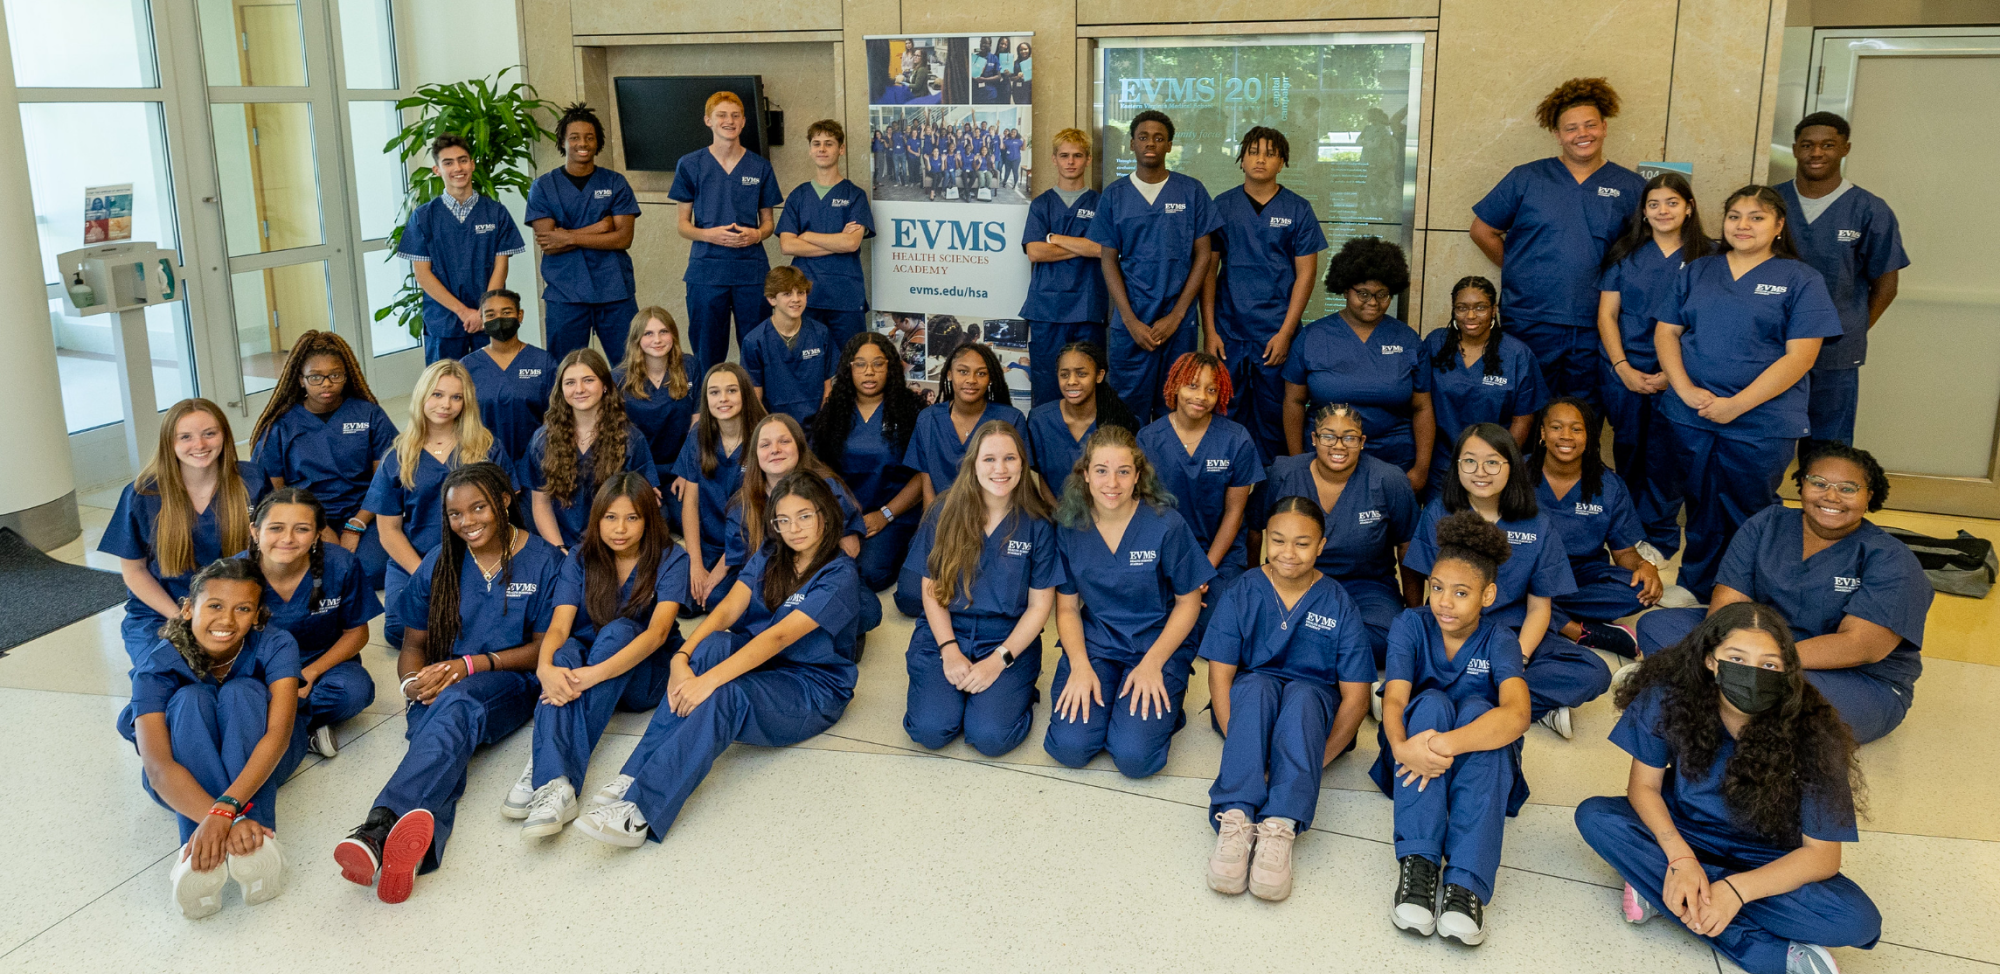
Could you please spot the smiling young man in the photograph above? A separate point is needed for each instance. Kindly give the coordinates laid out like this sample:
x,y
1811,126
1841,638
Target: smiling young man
x,y
1065,284
1850,236
824,223
582,215
457,245
726,195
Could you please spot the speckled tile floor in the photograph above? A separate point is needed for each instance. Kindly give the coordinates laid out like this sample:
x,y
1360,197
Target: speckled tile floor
x,y
861,851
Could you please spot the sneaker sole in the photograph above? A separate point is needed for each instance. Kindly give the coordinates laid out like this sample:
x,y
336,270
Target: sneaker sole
x,y
261,874
402,852
324,748
357,862
1425,926
1470,938
1227,885
199,894
542,830
621,839
1270,893
513,811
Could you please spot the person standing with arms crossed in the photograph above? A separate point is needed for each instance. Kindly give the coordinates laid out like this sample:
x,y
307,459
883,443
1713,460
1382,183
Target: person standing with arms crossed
x,y
725,195
1066,285
457,246
824,223
582,215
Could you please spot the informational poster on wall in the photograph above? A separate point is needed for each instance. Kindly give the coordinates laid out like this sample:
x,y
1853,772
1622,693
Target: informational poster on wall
x,y
950,142
107,213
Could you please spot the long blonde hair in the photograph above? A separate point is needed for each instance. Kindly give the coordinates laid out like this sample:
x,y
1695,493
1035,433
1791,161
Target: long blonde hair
x,y
173,535
961,516
635,359
475,441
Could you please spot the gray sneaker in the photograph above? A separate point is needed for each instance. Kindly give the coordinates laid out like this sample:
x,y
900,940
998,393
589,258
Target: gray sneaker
x,y
523,792
1558,720
619,823
613,791
1809,959
552,807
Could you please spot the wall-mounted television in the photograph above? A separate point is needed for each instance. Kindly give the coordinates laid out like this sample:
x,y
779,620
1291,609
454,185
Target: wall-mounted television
x,y
659,119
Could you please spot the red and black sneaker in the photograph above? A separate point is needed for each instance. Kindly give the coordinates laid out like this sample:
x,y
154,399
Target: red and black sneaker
x,y
360,854
1610,638
402,853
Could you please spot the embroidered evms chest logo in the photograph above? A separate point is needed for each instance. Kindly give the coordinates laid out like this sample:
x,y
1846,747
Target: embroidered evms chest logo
x,y
752,180
479,228
1608,191
347,428
1520,537
1143,558
1844,584
1771,289
1320,623
603,194
1280,222
1175,207
521,590
1847,236
1019,549
1218,465
1370,517
1085,214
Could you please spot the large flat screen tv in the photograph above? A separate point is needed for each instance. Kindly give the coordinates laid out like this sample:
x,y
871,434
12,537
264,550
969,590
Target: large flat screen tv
x,y
659,119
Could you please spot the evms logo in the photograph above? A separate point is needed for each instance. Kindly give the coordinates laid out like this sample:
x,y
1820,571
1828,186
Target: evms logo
x,y
973,235
1143,558
1493,380
603,194
1842,583
1392,349
350,428
1218,465
1588,510
1320,623
327,604
1607,191
1280,222
1166,92
752,180
840,202
521,590
1019,549
1086,214
1478,665
1772,289
1847,236
797,599
1520,537
809,353
1370,517
529,373
1172,208
479,228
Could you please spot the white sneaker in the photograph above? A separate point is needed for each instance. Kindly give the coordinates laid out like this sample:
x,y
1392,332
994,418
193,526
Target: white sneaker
x,y
551,808
523,792
198,894
1809,959
1651,554
1375,700
261,874
1558,720
612,792
1677,597
321,741
619,823
1619,679
1229,864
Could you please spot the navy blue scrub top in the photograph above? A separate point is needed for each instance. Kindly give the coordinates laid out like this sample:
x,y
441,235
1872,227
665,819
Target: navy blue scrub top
x,y
1377,377
346,600
512,400
421,505
1155,241
1557,232
1253,287
1128,594
715,491
1019,556
721,198
333,456
1868,575
1320,639
493,616
1854,241
836,278
831,598
736,548
1226,457
792,374
137,517
461,254
1538,566
670,584
573,516
871,465
1063,290
1052,452
1462,395
935,448
1592,526
664,419
1640,279
1489,657
268,655
1376,512
1735,328
583,275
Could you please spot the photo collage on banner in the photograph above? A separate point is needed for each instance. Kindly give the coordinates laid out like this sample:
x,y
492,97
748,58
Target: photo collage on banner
x,y
951,147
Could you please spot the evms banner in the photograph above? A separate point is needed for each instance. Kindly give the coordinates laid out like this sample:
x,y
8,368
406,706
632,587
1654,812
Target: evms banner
x,y
950,131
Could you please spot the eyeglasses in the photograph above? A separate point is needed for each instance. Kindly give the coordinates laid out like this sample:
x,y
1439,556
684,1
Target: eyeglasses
x,y
801,522
1358,296
316,380
1842,487
1471,465
1480,308
1330,438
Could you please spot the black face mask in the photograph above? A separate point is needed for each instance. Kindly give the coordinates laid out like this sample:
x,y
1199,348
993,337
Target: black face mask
x,y
503,329
1751,689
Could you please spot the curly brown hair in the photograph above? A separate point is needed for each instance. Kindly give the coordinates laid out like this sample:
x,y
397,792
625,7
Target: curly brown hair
x,y
559,458
1595,92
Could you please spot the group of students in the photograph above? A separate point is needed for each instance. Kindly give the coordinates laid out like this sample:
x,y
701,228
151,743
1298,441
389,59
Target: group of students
x,y
1161,503
937,157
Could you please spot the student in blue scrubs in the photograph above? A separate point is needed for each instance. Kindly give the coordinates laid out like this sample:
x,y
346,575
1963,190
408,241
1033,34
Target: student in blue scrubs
x,y
725,195
773,665
1066,301
1361,356
212,717
1056,430
583,216
659,383
584,440
444,433
777,447
1152,231
1125,611
1455,703
1478,374
1850,236
315,591
322,430
987,556
611,632
1288,672
457,245
821,231
1746,860
861,435
791,359
513,380
1371,513
707,474
1664,235
972,393
1495,481
1595,514
188,507
1736,335
1856,597
1547,225
478,608
1266,259
1208,464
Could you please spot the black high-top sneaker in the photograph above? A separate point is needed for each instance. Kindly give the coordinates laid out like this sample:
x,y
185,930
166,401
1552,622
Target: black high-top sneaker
x,y
1415,908
1464,917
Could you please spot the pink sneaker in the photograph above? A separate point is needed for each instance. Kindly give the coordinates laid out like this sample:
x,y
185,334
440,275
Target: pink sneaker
x,y
1271,868
1637,910
1229,864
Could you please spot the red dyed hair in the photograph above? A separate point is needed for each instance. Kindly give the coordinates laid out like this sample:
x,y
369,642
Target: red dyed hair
x,y
1187,369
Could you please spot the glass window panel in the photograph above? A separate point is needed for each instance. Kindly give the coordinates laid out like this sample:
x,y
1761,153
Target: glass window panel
x,y
273,307
81,44
378,175
367,43
252,42
270,182
386,273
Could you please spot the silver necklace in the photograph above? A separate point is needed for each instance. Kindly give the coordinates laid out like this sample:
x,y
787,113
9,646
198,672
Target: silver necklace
x,y
502,560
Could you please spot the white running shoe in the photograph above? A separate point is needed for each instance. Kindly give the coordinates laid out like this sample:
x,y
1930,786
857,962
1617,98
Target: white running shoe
x,y
523,792
1229,864
1375,700
612,792
261,874
321,741
198,894
552,807
1677,597
619,823
1558,720
1809,959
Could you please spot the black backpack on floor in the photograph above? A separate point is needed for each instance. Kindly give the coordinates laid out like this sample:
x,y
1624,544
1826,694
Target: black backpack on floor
x,y
1964,565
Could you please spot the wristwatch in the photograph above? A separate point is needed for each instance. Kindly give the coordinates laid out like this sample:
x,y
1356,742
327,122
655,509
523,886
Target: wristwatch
x,y
887,514
1007,656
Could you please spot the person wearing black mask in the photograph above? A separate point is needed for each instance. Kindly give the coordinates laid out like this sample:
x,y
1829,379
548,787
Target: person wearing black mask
x,y
512,378
1743,788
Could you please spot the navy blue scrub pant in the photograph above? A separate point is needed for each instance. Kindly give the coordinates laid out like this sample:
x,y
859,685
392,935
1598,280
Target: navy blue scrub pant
x,y
1258,399
1871,707
994,720
842,325
341,693
140,630
213,731
1275,748
1380,603
456,347
1046,340
1604,592
1138,745
883,554
1569,357
394,578
1458,819
1831,402
1562,674
1831,913
1726,478
474,712
710,306
1642,450
565,735
776,706
1140,375
569,327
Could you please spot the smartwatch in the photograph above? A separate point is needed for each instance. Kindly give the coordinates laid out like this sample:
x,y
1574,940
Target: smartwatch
x,y
887,514
1007,656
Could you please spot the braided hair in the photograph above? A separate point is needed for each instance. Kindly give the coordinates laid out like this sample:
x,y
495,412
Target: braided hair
x,y
1593,461
444,623
291,388
835,420
179,630
1447,357
304,498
